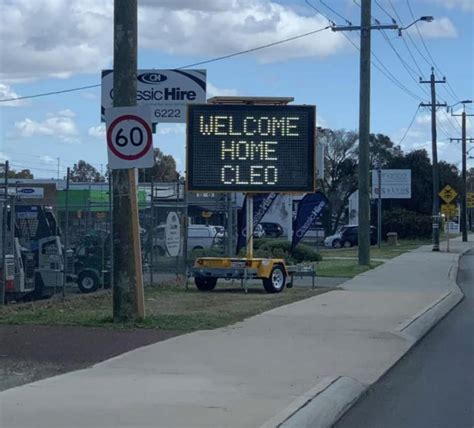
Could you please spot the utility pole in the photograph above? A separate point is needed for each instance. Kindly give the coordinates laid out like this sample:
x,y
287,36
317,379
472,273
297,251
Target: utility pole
x,y
128,299
4,235
464,169
364,125
434,150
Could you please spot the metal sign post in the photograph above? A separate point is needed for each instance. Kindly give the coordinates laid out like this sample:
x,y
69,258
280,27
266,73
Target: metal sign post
x,y
249,232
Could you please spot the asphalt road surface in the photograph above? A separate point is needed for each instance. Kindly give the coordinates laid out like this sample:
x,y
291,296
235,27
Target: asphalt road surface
x,y
433,385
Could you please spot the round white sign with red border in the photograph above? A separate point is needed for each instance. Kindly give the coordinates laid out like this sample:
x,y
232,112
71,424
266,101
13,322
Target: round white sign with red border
x,y
129,137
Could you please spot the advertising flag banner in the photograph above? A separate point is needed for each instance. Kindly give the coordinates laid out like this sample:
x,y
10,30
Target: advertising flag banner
x,y
310,208
261,203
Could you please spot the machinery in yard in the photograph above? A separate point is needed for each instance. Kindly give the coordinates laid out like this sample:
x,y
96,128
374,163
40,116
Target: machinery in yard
x,y
34,255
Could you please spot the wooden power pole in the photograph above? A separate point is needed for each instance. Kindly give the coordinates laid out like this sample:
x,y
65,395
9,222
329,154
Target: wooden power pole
x,y
434,150
364,124
128,299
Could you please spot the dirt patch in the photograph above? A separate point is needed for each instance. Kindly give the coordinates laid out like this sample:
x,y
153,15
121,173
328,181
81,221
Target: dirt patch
x,y
29,353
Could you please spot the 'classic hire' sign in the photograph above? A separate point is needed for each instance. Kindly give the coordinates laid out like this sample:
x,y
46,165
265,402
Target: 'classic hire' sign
x,y
251,148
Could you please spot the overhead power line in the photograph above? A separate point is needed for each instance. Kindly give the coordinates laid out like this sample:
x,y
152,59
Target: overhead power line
x,y
257,48
410,125
451,90
378,64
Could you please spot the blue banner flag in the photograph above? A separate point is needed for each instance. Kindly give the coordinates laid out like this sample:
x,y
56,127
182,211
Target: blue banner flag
x,y
261,203
310,208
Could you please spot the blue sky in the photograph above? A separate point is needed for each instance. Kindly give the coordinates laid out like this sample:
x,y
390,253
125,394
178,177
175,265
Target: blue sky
x,y
51,45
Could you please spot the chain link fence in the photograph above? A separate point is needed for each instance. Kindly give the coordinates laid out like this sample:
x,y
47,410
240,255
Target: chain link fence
x,y
175,227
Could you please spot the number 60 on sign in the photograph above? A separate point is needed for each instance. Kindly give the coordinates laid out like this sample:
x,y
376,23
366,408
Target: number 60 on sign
x,y
129,137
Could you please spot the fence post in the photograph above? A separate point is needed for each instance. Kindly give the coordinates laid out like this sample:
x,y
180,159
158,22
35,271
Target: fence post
x,y
66,237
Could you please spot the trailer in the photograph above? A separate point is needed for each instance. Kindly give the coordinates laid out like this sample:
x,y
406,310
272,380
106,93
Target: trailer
x,y
207,270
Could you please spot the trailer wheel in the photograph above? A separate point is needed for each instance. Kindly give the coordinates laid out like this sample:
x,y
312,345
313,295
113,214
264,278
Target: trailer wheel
x,y
276,282
88,281
205,284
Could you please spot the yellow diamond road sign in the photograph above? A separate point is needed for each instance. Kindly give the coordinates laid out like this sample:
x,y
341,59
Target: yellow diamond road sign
x,y
449,210
470,200
448,194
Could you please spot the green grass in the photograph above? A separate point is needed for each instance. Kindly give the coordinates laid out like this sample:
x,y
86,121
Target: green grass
x,y
340,268
384,252
167,307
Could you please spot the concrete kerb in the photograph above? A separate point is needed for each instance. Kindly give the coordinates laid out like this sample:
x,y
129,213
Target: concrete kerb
x,y
326,403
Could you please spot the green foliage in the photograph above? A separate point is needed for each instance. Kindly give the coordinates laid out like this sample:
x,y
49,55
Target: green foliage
x,y
164,169
206,252
407,224
280,248
85,172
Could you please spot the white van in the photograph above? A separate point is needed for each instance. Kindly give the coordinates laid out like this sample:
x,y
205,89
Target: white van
x,y
200,237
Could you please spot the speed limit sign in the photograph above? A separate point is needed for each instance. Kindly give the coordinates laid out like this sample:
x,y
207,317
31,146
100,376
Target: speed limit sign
x,y
129,137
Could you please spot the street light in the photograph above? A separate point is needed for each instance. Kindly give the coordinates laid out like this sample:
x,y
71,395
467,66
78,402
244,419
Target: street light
x,y
421,18
459,102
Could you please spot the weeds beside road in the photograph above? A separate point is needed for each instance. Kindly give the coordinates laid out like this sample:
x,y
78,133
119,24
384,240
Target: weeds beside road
x,y
168,307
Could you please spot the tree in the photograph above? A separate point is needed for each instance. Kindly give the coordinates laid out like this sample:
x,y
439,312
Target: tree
x,y
24,173
85,172
164,169
340,173
382,149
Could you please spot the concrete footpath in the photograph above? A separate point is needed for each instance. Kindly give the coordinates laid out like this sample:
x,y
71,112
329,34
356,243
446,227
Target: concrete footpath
x,y
300,365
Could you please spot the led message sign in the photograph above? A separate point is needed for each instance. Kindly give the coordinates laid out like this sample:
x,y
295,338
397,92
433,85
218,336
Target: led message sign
x,y
251,148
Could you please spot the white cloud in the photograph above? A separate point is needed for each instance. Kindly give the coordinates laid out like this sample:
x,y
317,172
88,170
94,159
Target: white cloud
x,y
419,136
214,91
67,113
437,29
47,159
4,157
7,92
54,37
58,125
58,38
97,131
170,128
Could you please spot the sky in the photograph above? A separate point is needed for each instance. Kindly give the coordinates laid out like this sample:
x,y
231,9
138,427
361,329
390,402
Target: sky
x,y
54,45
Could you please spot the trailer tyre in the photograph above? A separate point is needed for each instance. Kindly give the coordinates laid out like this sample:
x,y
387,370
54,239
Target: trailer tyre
x,y
276,282
88,281
205,284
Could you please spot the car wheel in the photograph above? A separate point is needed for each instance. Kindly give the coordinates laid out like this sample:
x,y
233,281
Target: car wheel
x,y
347,244
276,282
88,282
336,243
205,284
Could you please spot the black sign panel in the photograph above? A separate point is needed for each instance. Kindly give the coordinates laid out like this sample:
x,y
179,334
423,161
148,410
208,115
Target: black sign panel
x,y
250,148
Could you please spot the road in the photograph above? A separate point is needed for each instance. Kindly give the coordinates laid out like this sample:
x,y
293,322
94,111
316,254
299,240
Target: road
x,y
433,385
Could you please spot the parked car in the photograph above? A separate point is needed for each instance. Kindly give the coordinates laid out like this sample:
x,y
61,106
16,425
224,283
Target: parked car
x,y
347,237
333,241
200,236
272,229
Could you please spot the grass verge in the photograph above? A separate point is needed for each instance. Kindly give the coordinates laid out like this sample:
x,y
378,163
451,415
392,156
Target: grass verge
x,y
167,307
341,268
384,252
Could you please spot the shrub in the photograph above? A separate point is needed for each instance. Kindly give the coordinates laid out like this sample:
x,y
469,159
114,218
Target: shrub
x,y
407,224
281,249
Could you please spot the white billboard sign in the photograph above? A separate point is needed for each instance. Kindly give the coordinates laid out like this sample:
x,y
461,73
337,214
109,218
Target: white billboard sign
x,y
396,184
166,92
27,192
